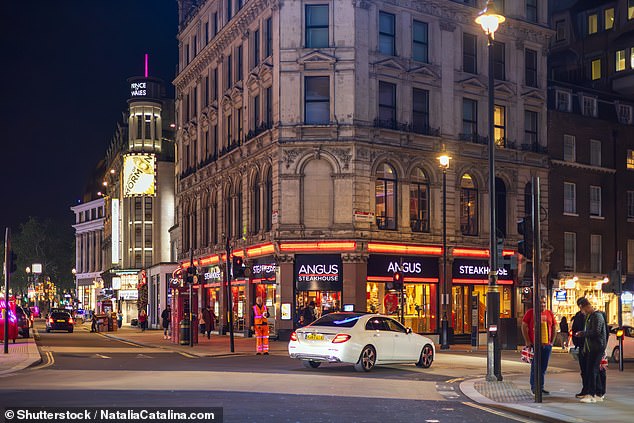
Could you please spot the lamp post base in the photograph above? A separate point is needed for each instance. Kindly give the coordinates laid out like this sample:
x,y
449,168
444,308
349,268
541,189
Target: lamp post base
x,y
444,333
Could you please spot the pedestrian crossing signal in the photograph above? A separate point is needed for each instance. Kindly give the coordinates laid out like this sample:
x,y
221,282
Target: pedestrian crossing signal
x,y
397,282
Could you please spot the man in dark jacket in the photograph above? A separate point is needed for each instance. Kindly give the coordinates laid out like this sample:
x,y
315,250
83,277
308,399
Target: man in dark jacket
x,y
578,323
594,343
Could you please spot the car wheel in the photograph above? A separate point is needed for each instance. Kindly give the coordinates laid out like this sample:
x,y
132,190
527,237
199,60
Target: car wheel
x,y
616,353
70,331
426,357
309,364
367,359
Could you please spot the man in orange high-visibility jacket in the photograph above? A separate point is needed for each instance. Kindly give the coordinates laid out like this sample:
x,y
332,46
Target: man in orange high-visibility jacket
x,y
261,325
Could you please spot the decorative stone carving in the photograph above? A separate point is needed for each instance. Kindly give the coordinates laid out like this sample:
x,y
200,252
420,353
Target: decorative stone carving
x,y
447,25
343,155
291,154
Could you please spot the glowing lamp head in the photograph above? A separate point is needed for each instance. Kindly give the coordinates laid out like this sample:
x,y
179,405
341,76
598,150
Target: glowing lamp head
x,y
490,19
444,161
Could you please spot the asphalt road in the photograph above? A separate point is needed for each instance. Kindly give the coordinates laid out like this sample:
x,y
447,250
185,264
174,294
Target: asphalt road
x,y
87,369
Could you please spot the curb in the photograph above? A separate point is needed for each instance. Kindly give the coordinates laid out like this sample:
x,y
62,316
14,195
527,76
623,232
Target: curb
x,y
468,388
33,356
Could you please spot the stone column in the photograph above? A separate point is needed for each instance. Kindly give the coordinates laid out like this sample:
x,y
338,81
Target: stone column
x,y
285,293
355,273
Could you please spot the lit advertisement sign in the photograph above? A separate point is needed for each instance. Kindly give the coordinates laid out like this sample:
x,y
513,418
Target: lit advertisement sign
x,y
139,175
115,230
138,89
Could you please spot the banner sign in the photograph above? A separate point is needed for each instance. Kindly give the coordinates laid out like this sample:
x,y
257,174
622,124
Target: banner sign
x,y
477,270
318,272
410,266
139,175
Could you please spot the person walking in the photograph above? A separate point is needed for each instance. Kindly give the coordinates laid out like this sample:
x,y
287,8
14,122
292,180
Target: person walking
x,y
143,320
564,332
261,325
578,323
548,332
93,322
594,343
206,315
166,316
308,314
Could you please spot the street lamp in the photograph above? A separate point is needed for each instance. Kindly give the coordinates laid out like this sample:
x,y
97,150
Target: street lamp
x,y
443,159
490,19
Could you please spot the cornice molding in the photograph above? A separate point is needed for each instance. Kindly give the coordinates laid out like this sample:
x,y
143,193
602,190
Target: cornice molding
x,y
577,165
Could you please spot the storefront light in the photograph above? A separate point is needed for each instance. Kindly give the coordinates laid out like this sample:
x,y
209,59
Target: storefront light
x,y
261,250
319,246
378,247
571,283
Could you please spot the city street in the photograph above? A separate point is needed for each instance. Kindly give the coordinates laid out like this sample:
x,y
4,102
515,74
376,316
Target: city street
x,y
89,369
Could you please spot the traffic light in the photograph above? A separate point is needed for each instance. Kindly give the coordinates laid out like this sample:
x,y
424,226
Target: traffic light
x,y
613,285
397,282
525,245
237,267
12,266
189,276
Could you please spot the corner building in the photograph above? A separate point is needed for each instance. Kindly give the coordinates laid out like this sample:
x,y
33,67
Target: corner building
x,y
309,133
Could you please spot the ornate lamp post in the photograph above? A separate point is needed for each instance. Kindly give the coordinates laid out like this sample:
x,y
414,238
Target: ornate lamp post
x,y
444,335
490,19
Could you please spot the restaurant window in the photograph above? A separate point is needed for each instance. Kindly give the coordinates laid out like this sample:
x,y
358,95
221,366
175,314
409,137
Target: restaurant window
x,y
468,206
570,198
469,53
316,25
419,201
499,124
570,251
595,253
387,34
316,100
420,41
385,195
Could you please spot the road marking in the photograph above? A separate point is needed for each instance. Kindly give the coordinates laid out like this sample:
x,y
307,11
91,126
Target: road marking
x,y
498,413
142,356
102,356
50,360
454,380
184,354
129,343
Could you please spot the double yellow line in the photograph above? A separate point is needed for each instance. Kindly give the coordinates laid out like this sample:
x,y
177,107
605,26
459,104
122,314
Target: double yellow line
x,y
50,360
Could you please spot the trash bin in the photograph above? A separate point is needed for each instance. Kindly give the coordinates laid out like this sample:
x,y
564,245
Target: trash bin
x,y
184,329
508,333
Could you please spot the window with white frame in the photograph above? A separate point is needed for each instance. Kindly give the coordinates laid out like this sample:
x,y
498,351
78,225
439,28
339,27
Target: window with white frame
x,y
563,101
570,150
630,204
595,201
570,198
595,253
630,256
624,114
589,106
570,250
595,152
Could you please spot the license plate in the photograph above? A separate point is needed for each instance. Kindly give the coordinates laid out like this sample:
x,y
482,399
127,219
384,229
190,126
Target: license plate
x,y
61,321
315,337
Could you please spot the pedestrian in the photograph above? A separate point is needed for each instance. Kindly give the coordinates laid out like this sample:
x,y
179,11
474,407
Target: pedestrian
x,y
578,322
143,320
308,315
261,325
93,322
206,315
166,316
563,332
594,343
119,319
548,332
201,321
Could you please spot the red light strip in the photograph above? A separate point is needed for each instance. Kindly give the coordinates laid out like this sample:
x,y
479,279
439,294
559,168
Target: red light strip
x,y
377,247
319,246
209,260
482,281
471,252
261,250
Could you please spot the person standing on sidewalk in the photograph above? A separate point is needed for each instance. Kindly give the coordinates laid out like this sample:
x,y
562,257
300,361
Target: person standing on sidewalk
x,y
594,343
206,315
548,332
143,320
578,323
564,332
166,316
261,325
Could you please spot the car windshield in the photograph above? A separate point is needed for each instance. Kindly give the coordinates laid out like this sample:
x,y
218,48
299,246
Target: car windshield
x,y
60,315
338,320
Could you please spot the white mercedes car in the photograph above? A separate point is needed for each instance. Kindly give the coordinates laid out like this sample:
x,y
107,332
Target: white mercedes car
x,y
361,339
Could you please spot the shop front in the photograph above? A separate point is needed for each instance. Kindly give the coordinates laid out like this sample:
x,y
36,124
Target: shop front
x,y
264,284
212,285
567,289
420,289
468,291
318,278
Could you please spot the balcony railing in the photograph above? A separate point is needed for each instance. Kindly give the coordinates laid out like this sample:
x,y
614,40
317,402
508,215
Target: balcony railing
x,y
406,127
474,138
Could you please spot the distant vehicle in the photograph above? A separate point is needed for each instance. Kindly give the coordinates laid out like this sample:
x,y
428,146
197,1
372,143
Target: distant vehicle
x,y
613,351
364,340
24,322
60,320
80,316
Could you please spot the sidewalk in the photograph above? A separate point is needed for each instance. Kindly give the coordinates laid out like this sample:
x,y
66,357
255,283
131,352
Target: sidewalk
x,y
513,394
217,346
22,354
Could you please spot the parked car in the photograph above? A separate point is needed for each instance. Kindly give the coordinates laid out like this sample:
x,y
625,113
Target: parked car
x,y
363,340
24,322
613,351
60,320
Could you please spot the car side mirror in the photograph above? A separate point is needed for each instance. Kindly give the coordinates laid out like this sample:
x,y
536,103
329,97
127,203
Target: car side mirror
x,y
408,330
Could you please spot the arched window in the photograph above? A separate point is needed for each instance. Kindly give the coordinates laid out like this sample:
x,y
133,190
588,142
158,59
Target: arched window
x,y
268,211
385,194
185,228
206,222
255,205
419,201
500,208
468,205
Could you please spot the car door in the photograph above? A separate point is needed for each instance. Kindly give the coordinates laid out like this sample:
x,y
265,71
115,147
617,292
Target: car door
x,y
405,346
381,337
628,342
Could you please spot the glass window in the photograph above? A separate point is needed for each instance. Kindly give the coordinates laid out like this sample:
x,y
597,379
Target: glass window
x,y
620,60
609,18
530,128
589,106
530,71
499,123
595,253
229,74
316,25
240,125
593,25
469,53
420,110
148,208
255,205
229,9
630,159
630,204
419,201
387,103
420,42
317,100
595,152
499,61
630,9
269,107
596,69
269,37
385,197
570,198
595,201
570,250
239,52
256,112
531,10
563,101
387,34
624,114
470,118
560,29
468,206
256,47
238,218
632,57
630,256
268,211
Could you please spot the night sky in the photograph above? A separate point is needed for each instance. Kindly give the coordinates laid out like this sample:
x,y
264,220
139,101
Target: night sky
x,y
64,70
